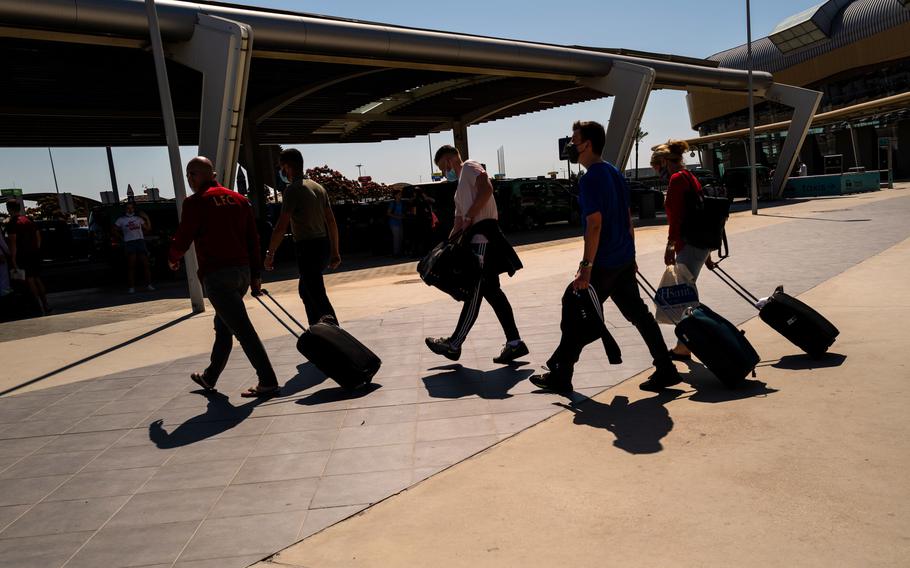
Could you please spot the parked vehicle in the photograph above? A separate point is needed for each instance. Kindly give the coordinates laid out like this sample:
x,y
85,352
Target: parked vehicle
x,y
640,191
527,203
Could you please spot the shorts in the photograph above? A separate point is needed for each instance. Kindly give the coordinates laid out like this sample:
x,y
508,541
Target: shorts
x,y
692,258
136,246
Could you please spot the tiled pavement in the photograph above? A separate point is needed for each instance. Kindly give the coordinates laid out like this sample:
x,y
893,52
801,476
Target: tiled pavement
x,y
136,469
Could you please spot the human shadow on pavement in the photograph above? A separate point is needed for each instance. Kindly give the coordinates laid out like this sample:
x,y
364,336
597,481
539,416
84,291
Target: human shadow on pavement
x,y
638,426
457,381
219,417
708,388
803,362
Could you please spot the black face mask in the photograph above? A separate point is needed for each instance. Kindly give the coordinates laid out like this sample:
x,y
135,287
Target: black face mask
x,y
572,152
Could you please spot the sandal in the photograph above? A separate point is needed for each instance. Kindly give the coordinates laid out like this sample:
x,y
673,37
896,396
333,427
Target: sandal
x,y
258,391
199,379
679,356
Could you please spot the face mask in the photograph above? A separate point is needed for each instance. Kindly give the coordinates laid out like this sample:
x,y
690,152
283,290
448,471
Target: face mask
x,y
284,178
451,175
572,152
664,174
130,213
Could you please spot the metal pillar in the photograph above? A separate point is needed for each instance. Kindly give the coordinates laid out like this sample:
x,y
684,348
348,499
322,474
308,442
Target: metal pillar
x,y
753,183
630,86
460,134
173,146
804,103
110,166
221,50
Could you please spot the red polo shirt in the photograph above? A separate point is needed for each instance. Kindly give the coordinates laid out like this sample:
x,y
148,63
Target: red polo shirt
x,y
221,224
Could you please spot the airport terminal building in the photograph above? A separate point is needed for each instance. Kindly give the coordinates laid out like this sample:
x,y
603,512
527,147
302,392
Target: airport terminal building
x,y
856,53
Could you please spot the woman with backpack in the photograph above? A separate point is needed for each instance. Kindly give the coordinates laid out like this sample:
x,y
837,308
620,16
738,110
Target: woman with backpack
x,y
683,192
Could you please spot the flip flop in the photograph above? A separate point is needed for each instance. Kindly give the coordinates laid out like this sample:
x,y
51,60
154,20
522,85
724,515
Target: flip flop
x,y
199,379
258,391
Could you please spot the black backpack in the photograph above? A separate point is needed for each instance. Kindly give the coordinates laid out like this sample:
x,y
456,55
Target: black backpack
x,y
706,217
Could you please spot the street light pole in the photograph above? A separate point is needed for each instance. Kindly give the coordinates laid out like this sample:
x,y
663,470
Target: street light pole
x,y
53,170
359,173
752,174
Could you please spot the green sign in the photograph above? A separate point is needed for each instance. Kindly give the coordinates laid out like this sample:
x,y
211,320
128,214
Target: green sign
x,y
12,192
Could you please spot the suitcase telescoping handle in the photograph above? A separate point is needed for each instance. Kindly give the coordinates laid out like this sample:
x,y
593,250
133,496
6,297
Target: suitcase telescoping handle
x,y
741,290
651,291
276,316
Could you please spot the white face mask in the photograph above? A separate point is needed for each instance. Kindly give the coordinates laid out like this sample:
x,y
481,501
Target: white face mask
x,y
283,176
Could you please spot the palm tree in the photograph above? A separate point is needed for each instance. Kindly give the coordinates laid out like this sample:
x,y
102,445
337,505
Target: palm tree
x,y
639,136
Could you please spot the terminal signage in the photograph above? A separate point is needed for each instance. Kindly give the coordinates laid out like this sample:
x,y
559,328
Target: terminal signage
x,y
562,147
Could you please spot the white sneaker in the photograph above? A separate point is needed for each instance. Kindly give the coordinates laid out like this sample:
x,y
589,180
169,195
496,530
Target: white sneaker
x,y
131,291
150,288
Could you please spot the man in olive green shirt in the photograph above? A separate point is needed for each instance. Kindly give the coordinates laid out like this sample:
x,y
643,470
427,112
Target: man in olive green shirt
x,y
306,208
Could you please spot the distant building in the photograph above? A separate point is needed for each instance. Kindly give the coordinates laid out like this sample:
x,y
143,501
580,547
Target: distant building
x,y
857,53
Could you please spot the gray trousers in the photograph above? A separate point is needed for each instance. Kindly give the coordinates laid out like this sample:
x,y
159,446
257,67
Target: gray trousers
x,y
225,289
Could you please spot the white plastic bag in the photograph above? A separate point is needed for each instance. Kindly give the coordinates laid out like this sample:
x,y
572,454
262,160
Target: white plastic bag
x,y
675,294
17,274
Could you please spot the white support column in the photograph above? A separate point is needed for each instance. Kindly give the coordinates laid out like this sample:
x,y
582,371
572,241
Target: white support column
x,y
804,103
173,146
630,86
221,50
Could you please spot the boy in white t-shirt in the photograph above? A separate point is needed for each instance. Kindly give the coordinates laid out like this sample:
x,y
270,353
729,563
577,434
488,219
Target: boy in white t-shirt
x,y
131,229
476,214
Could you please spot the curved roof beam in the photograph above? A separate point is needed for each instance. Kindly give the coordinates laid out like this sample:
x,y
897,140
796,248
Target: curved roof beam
x,y
482,114
268,108
289,32
380,110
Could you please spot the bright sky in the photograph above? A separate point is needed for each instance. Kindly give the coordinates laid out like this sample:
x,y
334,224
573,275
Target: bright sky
x,y
697,29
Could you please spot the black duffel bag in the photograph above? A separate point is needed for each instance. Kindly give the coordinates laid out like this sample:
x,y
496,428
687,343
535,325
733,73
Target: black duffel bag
x,y
452,267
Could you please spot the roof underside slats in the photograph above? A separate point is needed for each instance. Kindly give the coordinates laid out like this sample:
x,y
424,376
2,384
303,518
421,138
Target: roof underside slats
x,y
63,94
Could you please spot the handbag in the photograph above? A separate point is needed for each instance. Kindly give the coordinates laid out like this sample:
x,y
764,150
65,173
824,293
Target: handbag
x,y
675,294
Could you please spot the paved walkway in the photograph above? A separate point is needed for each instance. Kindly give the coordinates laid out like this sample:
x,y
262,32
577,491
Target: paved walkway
x,y
806,466
134,469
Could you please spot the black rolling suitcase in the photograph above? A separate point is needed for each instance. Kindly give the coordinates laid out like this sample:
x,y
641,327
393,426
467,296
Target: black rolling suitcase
x,y
334,351
795,320
720,345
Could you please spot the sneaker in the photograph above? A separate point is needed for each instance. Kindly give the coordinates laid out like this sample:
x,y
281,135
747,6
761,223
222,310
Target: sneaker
x,y
131,291
150,288
661,378
550,382
441,346
510,353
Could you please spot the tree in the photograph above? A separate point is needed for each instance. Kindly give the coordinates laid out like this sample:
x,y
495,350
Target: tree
x,y
639,136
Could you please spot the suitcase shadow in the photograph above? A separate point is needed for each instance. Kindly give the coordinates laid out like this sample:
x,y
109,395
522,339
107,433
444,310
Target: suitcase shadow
x,y
803,362
638,426
457,381
337,394
708,388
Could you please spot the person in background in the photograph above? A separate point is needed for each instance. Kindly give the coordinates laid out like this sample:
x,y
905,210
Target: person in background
x,y
683,188
130,228
607,264
5,287
306,208
25,252
221,224
476,217
395,214
803,169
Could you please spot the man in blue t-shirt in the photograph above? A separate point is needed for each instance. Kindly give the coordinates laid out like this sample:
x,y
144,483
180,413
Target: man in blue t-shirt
x,y
607,268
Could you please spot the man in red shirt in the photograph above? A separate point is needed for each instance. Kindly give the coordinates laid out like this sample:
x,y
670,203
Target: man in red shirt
x,y
25,251
221,224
